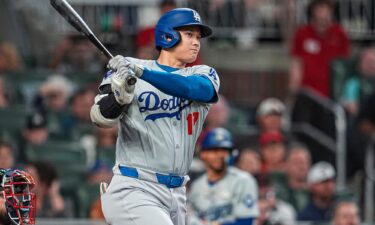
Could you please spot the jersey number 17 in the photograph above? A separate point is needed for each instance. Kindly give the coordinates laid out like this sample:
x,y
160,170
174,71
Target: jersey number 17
x,y
192,119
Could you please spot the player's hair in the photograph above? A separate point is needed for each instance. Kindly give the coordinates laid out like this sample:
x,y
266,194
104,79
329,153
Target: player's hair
x,y
315,3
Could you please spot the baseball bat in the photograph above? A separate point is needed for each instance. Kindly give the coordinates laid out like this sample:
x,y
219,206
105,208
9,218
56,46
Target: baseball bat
x,y
70,15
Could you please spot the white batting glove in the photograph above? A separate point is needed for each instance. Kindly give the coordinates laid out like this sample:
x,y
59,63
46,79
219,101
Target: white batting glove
x,y
119,61
124,93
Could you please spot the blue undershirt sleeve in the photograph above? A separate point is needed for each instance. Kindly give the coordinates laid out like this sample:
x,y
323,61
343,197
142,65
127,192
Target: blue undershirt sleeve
x,y
194,87
245,221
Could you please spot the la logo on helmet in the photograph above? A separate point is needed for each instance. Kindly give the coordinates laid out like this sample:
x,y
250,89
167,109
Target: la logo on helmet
x,y
196,16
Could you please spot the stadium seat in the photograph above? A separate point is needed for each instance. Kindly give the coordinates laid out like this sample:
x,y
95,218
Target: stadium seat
x,y
13,118
107,155
87,194
69,158
24,84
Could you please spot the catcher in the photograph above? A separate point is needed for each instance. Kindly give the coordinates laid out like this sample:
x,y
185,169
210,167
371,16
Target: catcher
x,y
17,202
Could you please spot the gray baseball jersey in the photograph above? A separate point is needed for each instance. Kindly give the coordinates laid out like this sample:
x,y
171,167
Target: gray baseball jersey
x,y
233,197
158,132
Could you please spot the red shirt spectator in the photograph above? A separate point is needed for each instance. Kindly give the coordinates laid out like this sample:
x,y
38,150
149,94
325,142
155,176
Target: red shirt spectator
x,y
316,53
314,47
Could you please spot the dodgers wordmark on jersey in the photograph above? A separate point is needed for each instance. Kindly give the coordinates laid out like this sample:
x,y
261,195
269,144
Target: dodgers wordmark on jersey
x,y
232,197
158,132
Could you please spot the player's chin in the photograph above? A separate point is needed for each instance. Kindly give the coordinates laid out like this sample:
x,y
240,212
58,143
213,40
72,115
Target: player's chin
x,y
191,58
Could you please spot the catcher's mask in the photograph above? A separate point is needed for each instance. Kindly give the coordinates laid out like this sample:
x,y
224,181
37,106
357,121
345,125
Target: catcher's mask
x,y
20,202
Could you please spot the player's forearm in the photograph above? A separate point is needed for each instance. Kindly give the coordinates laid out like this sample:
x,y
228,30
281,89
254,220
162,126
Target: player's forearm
x,y
197,88
106,111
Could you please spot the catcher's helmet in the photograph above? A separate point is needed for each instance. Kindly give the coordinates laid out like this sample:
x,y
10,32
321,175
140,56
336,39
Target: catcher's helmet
x,y
20,202
165,34
217,138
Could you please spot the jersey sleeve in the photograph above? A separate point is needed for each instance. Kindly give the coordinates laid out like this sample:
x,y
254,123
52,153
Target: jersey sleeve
x,y
245,201
211,74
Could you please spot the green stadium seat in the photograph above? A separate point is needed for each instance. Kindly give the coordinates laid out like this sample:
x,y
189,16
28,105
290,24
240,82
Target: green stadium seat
x,y
13,118
107,155
87,194
24,84
69,158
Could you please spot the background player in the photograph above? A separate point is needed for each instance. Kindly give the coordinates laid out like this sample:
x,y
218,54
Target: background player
x,y
17,202
223,195
160,119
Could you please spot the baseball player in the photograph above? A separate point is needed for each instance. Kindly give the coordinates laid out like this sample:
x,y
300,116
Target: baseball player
x,y
17,202
159,120
223,195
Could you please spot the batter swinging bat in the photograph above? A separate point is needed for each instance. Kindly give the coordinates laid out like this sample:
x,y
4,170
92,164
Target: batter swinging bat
x,y
70,15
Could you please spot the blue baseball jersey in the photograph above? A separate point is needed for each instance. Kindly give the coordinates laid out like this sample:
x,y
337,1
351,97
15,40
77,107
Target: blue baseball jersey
x,y
232,197
158,132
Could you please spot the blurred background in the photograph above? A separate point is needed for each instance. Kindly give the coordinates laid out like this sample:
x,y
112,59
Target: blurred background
x,y
297,88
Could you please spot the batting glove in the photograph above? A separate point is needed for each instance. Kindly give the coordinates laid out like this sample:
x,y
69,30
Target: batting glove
x,y
119,61
123,91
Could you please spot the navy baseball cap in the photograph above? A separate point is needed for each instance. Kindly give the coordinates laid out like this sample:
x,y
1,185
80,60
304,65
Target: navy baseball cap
x,y
35,121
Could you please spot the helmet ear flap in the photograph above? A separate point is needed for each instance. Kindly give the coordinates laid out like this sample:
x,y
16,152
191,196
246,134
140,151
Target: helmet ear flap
x,y
166,39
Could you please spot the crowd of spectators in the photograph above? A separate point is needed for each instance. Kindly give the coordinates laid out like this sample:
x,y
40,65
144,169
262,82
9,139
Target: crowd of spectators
x,y
293,185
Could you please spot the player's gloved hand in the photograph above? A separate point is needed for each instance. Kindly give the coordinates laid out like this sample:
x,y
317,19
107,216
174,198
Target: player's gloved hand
x,y
123,91
118,60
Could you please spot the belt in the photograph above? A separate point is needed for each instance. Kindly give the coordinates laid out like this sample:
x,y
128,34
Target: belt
x,y
171,181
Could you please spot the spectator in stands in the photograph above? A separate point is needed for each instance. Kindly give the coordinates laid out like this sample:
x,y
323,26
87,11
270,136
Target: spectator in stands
x,y
249,161
50,203
321,179
358,87
101,172
145,36
269,115
34,133
346,213
106,137
78,119
7,158
54,94
9,58
313,48
293,187
366,119
76,54
275,211
272,152
4,101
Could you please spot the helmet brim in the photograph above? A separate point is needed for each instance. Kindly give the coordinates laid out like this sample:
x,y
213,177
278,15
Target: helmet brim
x,y
206,31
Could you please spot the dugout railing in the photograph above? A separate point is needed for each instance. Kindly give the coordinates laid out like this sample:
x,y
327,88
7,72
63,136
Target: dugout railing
x,y
321,123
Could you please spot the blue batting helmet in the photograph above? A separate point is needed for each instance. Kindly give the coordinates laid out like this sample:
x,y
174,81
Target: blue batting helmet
x,y
165,34
217,138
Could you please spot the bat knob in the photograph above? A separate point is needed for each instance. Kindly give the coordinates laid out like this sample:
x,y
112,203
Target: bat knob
x,y
132,81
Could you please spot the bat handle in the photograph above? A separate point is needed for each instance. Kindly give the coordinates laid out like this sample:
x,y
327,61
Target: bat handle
x,y
132,80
